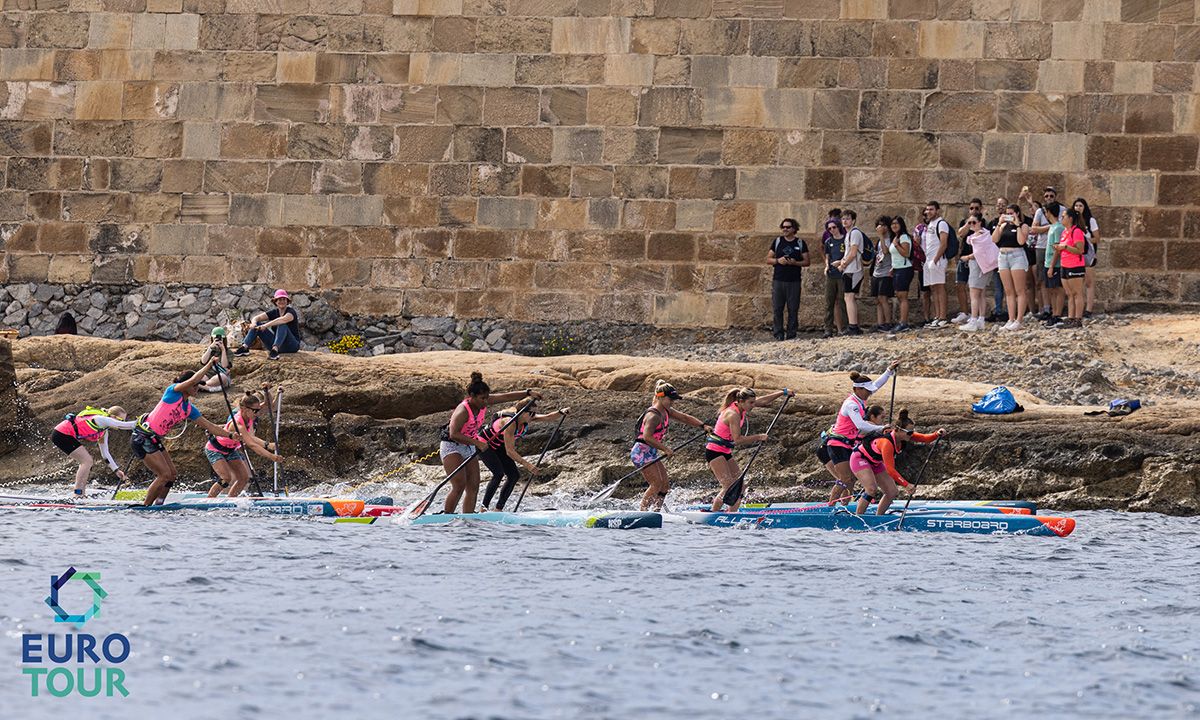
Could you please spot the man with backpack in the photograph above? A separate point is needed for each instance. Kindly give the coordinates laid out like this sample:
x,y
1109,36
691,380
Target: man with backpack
x,y
787,255
859,254
937,242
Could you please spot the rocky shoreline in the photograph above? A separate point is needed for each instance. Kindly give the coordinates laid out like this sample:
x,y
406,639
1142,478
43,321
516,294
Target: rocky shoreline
x,y
353,421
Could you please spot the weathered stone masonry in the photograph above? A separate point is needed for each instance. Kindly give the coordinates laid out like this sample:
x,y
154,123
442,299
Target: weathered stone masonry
x,y
566,159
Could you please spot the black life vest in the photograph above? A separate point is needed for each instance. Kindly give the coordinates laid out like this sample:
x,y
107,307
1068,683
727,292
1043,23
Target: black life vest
x,y
865,444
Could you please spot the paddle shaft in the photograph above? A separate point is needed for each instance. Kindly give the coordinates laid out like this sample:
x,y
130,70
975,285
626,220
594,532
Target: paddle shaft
x,y
529,479
273,418
892,405
238,431
734,494
128,465
422,506
917,481
608,491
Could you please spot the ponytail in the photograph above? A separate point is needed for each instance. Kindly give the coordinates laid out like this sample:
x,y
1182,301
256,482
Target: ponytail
x,y
478,386
905,422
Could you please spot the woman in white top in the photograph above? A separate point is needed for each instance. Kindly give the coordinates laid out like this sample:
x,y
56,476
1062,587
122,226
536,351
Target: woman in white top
x,y
1091,233
902,268
852,269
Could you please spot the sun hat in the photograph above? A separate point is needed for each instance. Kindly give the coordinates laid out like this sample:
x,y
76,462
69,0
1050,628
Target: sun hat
x,y
282,294
217,332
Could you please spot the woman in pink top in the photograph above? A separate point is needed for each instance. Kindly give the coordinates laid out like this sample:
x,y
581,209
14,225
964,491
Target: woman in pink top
x,y
727,434
461,440
851,423
227,455
1069,251
651,442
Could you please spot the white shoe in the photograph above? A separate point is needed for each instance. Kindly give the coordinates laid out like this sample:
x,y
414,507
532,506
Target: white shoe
x,y
1016,325
960,318
1008,325
970,326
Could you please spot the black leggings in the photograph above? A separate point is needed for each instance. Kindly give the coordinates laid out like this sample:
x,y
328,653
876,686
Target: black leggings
x,y
501,465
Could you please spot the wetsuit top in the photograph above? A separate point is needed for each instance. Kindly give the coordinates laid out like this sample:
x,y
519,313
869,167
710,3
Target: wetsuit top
x,y
494,433
660,430
171,410
230,444
881,448
721,438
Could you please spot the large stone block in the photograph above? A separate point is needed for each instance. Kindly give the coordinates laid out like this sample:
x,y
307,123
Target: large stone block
x,y
913,150
703,183
1031,112
890,110
1171,153
688,146
1064,152
640,181
852,149
612,106
648,215
1177,189
691,310
670,106
1010,75
942,39
1095,114
771,184
1149,114
583,36
297,103
1113,152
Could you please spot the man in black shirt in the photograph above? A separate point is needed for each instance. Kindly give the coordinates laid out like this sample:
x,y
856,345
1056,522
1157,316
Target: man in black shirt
x,y
787,255
278,328
833,243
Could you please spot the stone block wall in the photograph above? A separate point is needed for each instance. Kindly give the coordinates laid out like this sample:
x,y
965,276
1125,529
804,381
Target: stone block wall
x,y
555,160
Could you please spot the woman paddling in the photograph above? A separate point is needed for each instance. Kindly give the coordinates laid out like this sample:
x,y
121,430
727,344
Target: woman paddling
x,y
227,456
851,423
175,407
727,434
89,425
649,444
874,462
461,441
501,456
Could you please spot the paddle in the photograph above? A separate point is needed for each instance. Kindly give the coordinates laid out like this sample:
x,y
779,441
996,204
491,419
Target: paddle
x,y
607,492
892,405
238,431
128,465
278,414
422,506
917,481
528,480
274,419
734,494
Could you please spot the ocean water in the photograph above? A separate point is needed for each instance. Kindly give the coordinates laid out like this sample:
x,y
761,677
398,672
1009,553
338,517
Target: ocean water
x,y
240,617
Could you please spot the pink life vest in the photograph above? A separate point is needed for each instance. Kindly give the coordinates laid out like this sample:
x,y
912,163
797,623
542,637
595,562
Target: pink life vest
x,y
165,416
474,421
660,430
721,438
845,427
81,428
232,443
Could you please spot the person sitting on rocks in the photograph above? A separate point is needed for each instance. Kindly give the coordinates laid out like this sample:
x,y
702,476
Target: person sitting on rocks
x,y
217,348
278,328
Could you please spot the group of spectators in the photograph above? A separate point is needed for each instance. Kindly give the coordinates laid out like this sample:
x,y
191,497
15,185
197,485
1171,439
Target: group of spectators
x,y
1037,256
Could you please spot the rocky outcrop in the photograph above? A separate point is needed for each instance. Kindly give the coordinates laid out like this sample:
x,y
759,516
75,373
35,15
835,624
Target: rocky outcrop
x,y
352,418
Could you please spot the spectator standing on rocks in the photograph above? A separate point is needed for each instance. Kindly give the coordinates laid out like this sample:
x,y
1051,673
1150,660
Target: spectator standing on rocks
x,y
936,241
999,314
1091,232
834,247
1051,215
902,269
851,266
787,255
1039,227
982,256
1071,251
1011,235
279,328
882,288
962,269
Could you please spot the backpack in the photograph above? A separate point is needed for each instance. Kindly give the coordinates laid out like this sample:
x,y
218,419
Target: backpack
x,y
917,249
998,401
951,240
868,251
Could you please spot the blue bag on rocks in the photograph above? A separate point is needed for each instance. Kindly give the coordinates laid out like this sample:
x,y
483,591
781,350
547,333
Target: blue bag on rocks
x,y
998,401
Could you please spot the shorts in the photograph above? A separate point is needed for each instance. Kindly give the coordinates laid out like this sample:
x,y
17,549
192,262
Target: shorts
x,y
1039,259
1073,273
642,455
934,273
1054,279
230,457
962,271
1013,259
882,287
902,279
852,282
823,454
838,454
976,278
1031,257
143,443
65,442
858,462
452,448
710,455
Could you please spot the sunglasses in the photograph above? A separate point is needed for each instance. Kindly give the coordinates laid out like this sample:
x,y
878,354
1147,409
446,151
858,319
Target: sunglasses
x,y
254,409
787,227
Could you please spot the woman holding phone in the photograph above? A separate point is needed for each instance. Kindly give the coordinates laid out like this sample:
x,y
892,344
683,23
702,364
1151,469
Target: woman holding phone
x,y
1011,235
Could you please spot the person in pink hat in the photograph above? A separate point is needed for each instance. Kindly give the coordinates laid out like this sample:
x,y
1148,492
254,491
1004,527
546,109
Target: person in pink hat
x,y
278,328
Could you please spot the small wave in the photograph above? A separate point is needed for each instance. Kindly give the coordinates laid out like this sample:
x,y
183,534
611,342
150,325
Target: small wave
x,y
13,561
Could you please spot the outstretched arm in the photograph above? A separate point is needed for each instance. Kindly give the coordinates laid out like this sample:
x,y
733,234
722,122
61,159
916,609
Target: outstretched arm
x,y
197,378
213,428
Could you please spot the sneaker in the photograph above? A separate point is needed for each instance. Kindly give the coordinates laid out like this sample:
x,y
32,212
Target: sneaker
x,y
940,323
778,336
852,330
241,351
961,318
971,326
1054,321
1016,325
1007,326
827,334
273,355
902,327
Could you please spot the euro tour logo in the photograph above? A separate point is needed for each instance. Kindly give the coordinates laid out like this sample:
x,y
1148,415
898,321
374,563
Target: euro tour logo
x,y
72,663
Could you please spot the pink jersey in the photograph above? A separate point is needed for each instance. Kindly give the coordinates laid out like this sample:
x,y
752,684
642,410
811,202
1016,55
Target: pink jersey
x,y
247,426
844,426
721,439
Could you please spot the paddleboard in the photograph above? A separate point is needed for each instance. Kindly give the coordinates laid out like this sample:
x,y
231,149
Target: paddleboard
x,y
948,521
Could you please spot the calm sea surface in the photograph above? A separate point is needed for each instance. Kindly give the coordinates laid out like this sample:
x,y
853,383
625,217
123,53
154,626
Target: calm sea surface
x,y
236,617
